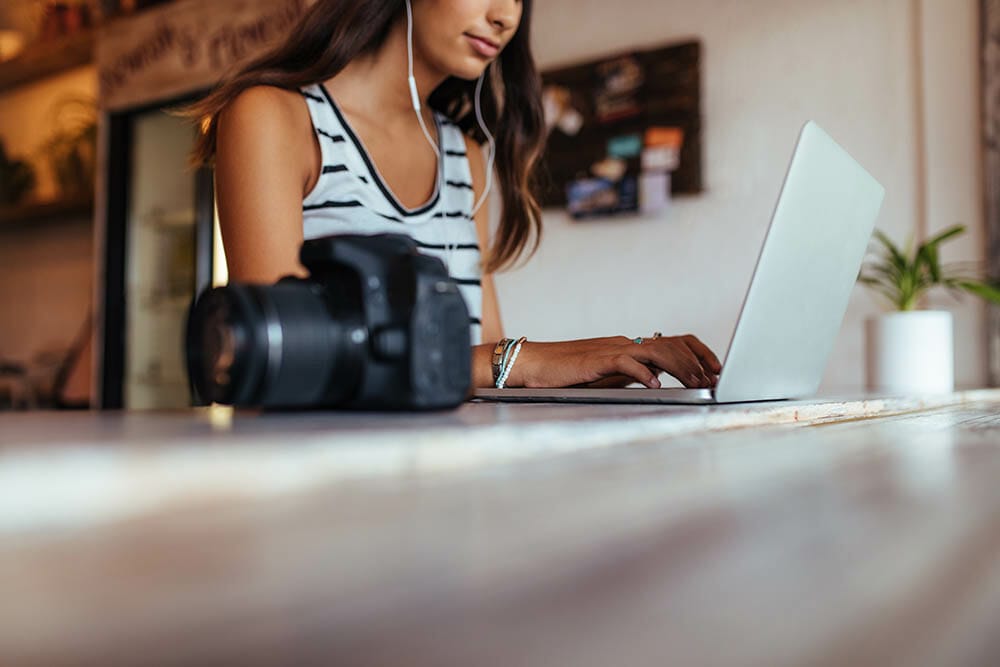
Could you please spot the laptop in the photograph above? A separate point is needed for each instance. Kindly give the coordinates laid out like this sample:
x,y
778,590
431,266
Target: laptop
x,y
798,295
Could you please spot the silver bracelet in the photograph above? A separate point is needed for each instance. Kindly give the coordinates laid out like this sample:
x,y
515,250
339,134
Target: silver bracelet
x,y
508,365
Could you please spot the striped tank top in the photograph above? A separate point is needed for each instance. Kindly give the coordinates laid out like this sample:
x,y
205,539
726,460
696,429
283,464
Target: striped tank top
x,y
351,197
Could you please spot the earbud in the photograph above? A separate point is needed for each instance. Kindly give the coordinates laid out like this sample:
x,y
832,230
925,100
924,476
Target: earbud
x,y
414,93
415,96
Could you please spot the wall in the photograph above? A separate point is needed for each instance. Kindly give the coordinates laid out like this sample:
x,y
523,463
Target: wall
x,y
852,65
951,138
46,269
859,67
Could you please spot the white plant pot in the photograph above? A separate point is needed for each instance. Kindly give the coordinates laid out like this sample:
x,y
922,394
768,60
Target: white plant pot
x,y
911,353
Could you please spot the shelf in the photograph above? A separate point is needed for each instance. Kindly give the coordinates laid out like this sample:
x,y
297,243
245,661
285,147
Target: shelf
x,y
43,59
179,219
168,303
35,212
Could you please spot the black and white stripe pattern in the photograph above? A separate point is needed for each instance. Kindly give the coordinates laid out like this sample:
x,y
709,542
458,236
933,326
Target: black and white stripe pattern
x,y
351,197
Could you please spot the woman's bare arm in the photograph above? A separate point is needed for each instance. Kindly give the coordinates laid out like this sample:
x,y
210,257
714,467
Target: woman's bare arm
x,y
492,325
482,355
598,362
264,165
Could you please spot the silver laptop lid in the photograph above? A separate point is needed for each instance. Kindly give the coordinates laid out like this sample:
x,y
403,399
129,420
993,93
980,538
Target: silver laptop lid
x,y
807,267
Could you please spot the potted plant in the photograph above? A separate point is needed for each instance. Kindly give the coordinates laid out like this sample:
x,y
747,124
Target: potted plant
x,y
910,350
17,178
71,147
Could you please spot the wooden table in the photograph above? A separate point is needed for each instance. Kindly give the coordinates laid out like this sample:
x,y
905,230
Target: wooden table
x,y
831,532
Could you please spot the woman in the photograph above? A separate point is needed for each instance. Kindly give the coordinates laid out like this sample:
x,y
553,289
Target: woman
x,y
369,119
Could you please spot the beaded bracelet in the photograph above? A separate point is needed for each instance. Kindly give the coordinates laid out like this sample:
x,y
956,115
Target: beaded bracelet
x,y
508,365
499,354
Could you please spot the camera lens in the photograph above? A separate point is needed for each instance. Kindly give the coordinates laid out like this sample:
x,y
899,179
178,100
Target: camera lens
x,y
275,345
227,346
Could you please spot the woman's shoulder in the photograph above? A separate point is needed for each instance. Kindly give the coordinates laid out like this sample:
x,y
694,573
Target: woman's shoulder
x,y
268,103
267,123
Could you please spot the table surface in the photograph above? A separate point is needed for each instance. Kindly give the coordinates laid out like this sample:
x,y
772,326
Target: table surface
x,y
835,531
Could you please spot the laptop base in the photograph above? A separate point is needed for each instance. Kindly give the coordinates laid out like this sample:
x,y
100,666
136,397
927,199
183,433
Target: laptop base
x,y
670,396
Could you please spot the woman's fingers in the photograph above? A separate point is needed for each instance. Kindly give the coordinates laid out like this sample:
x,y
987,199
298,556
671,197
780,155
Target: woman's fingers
x,y
677,359
617,361
702,351
627,365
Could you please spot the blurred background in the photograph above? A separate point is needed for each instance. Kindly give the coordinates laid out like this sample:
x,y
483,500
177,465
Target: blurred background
x,y
106,233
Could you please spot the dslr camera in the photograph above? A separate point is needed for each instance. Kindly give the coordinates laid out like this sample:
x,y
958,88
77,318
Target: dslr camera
x,y
376,325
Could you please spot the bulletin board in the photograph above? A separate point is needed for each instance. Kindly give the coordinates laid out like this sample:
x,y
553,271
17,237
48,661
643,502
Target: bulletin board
x,y
613,99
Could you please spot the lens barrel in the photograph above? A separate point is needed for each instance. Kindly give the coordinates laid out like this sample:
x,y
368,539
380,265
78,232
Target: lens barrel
x,y
282,345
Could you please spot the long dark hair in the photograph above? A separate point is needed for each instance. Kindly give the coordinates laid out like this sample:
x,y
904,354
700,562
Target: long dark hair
x,y
332,33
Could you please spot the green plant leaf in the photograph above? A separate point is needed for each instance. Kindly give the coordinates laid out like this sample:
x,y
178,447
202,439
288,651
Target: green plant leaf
x,y
881,279
888,272
945,235
928,256
988,292
880,288
876,284
895,256
910,287
957,272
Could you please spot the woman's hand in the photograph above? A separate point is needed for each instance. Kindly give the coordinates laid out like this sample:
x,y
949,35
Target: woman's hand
x,y
615,362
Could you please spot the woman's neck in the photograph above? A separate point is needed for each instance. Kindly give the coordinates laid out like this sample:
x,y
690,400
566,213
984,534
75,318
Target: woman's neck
x,y
376,84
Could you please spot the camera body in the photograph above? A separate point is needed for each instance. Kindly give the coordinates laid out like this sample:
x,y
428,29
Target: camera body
x,y
376,325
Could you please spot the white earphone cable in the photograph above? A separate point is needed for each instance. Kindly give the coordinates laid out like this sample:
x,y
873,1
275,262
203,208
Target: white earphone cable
x,y
414,93
493,148
415,99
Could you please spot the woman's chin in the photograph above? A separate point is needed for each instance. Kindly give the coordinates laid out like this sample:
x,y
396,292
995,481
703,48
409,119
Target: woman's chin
x,y
470,70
